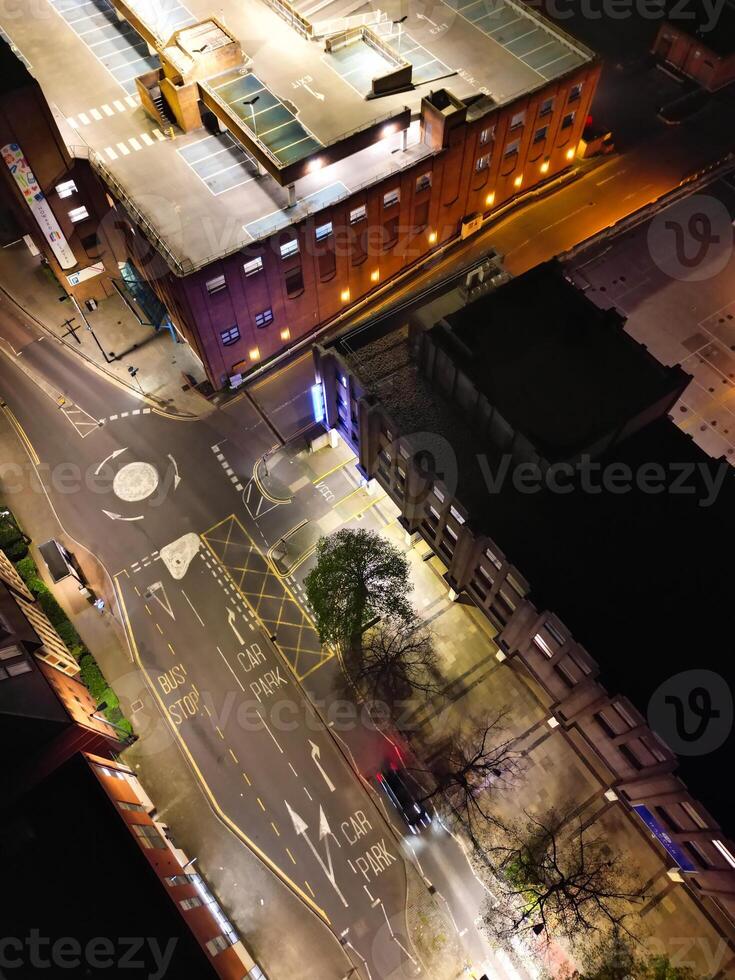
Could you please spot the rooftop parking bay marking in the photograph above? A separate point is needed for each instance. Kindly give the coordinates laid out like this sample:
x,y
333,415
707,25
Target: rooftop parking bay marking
x,y
271,600
520,35
219,162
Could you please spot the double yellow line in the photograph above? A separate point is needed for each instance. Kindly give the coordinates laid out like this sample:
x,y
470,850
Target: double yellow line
x,y
21,434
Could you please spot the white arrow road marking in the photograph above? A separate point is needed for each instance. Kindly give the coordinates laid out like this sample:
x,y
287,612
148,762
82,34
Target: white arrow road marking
x,y
315,755
317,95
177,478
118,452
300,826
119,517
152,592
231,622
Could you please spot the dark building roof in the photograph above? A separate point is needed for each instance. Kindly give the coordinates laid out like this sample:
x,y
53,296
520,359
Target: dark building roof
x,y
77,872
644,580
13,73
557,368
715,30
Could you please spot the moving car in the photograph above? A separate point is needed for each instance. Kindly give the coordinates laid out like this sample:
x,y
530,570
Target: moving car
x,y
403,799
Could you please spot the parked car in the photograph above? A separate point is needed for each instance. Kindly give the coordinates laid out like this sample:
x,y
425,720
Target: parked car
x,y
404,799
57,559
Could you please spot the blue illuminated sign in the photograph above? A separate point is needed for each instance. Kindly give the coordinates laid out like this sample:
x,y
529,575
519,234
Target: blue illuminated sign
x,y
661,835
317,403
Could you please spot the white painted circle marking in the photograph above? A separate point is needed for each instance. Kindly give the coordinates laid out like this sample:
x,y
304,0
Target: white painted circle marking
x,y
135,481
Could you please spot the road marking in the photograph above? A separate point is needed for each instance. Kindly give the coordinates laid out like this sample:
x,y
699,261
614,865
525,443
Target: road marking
x,y
261,804
301,827
192,607
246,778
219,732
293,859
310,888
173,652
234,756
200,776
308,793
159,629
315,756
276,831
231,670
209,713
265,723
293,770
231,621
123,149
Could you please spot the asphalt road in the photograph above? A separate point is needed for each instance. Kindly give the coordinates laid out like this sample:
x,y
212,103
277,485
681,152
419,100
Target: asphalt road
x,y
138,490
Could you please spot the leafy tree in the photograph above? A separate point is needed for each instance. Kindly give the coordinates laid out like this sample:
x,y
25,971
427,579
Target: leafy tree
x,y
616,957
553,880
467,765
358,578
395,662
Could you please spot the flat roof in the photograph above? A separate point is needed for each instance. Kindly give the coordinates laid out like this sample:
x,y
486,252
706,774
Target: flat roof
x,y
714,28
643,580
557,368
87,74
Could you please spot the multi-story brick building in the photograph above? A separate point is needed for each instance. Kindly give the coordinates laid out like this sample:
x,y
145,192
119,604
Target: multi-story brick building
x,y
525,438
288,187
700,43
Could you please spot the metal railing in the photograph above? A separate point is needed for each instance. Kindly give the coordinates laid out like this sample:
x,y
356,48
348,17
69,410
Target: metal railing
x,y
292,17
240,123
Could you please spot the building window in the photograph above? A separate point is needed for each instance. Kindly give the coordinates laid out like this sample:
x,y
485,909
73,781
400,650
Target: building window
x,y
66,189
22,667
423,182
692,813
540,134
358,214
547,106
438,494
543,645
190,903
215,285
725,852
482,162
554,632
264,318
135,807
456,515
486,135
217,944
253,266
568,120
173,880
148,836
323,231
511,148
517,119
493,558
575,91
290,248
78,214
230,336
294,281
391,197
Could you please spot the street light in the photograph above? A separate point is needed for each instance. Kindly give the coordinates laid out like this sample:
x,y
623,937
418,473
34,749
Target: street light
x,y
251,103
133,372
101,707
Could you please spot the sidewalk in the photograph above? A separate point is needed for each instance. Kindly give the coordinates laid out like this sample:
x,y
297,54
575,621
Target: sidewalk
x,y
162,364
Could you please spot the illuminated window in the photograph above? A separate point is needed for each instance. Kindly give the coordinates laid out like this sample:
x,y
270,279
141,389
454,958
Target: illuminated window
x,y
575,91
230,336
511,148
486,135
148,836
540,134
543,645
253,266
215,285
323,231
391,197
482,162
217,944
66,189
78,214
264,318
358,214
568,120
190,903
289,248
